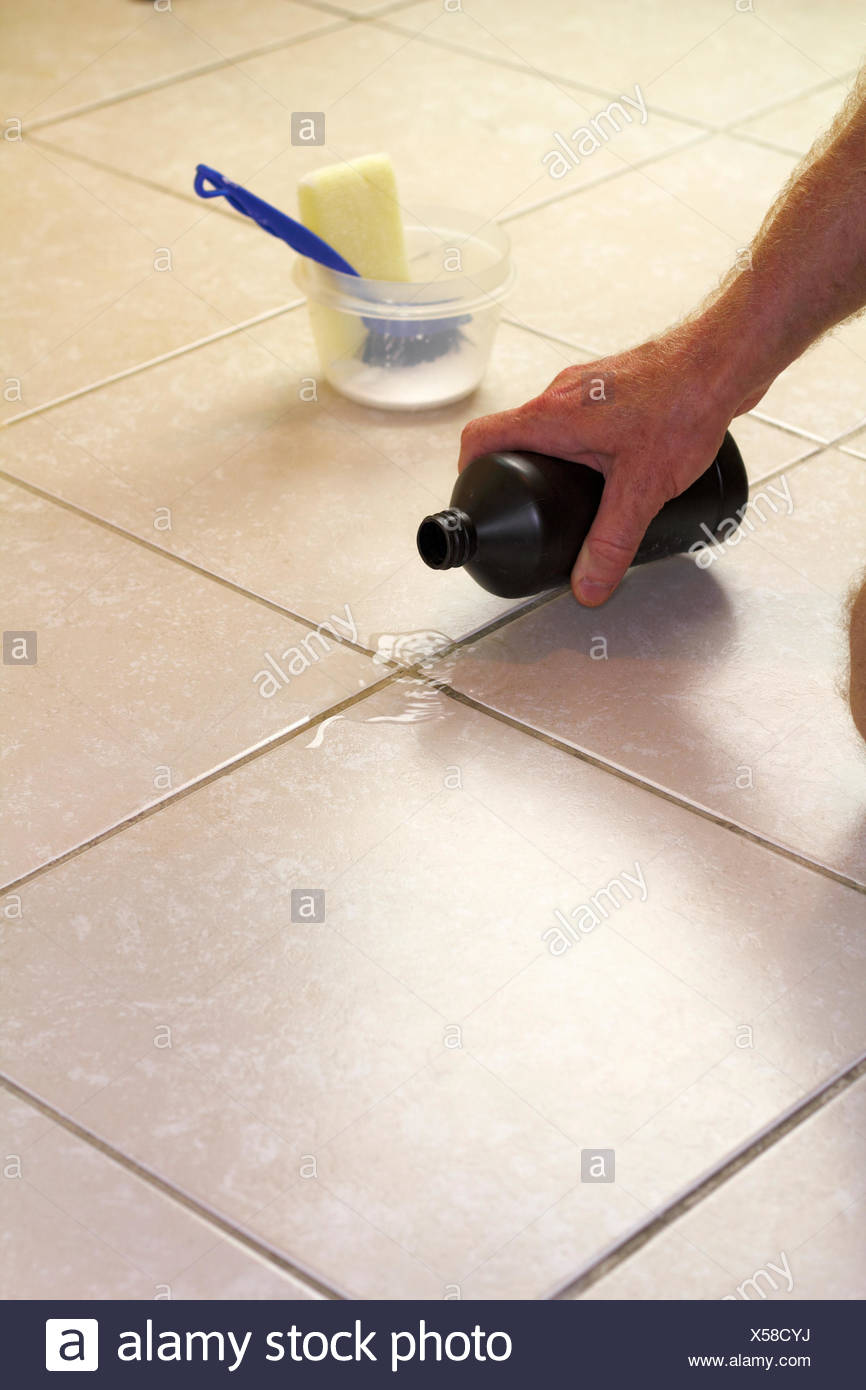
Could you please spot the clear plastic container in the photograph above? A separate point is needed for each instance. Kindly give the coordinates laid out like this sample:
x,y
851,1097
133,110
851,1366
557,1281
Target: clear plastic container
x,y
413,345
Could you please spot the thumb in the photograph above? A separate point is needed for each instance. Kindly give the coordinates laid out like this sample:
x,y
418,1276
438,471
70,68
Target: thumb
x,y
610,545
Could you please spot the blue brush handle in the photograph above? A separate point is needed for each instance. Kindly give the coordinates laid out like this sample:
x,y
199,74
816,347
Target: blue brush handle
x,y
270,219
306,243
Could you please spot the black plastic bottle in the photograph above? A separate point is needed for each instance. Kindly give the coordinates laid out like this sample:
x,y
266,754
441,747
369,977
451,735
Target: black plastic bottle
x,y
517,520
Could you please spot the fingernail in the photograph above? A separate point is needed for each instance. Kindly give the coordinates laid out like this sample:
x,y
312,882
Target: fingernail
x,y
592,591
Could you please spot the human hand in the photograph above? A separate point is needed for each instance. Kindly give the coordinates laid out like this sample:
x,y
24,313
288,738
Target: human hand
x,y
651,420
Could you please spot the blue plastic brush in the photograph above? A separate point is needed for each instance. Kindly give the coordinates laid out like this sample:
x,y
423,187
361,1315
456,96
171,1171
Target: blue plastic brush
x,y
389,342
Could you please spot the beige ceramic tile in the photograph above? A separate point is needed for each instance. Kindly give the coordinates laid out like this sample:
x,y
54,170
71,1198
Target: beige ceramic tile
x,y
174,1118
300,1077
146,674
823,1008
795,125
224,119
705,61
470,1163
65,1033
206,250
793,1196
311,989
623,260
136,926
363,7
723,684
84,299
856,444
49,67
599,1093
789,1225
830,1263
22,1123
78,1225
311,504
548,1250
727,183
230,1271
238,120
325,1231
739,1096
822,531
652,245
667,1268
823,391
358,8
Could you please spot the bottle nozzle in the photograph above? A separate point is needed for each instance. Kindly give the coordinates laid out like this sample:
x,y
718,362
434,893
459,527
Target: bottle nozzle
x,y
446,539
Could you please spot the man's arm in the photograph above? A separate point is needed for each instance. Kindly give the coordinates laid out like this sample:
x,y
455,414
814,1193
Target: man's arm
x,y
675,395
808,265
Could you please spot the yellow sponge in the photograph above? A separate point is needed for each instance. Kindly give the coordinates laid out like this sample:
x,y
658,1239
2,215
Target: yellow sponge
x,y
353,206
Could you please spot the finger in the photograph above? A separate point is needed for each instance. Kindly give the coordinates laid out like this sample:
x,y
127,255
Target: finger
x,y
610,545
507,429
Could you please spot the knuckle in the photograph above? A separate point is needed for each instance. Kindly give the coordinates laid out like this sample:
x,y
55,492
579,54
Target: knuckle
x,y
610,549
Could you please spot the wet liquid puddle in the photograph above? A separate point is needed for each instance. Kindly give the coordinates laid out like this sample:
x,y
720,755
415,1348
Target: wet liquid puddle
x,y
420,695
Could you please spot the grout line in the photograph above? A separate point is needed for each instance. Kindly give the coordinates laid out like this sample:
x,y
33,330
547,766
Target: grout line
x,y
692,1196
379,11
591,352
608,94
532,70
676,798
272,741
790,429
839,439
154,361
183,560
40,142
228,765
185,75
255,1244
528,606
784,468
628,168
811,89
748,139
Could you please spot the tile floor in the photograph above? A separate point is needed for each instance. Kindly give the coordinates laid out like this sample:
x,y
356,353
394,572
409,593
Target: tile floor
x,y
202,1097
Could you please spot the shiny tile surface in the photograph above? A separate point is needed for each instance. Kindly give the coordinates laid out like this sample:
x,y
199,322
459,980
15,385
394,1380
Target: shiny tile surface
x,y
84,298
736,711
50,68
110,1233
788,1226
797,124
298,1075
709,61
145,675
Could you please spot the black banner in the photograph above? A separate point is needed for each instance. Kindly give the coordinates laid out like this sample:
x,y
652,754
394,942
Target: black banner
x,y
415,1344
